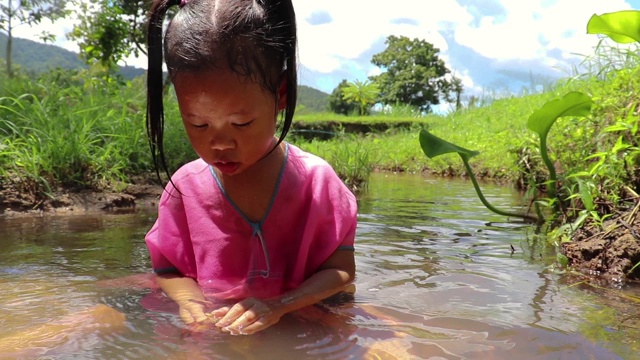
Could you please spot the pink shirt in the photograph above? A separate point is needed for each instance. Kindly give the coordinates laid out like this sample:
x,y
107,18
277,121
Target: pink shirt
x,y
201,234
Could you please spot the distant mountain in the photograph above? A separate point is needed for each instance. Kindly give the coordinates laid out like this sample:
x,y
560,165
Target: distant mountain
x,y
33,56
312,100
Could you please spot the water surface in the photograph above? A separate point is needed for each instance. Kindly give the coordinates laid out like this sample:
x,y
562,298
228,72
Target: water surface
x,y
439,277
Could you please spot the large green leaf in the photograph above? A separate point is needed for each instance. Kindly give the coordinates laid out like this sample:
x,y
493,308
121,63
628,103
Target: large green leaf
x,y
574,103
433,146
622,26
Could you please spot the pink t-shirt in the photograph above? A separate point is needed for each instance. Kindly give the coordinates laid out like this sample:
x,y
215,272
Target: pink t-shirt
x,y
201,234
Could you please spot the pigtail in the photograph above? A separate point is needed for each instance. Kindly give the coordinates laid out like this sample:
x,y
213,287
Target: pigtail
x,y
155,83
286,16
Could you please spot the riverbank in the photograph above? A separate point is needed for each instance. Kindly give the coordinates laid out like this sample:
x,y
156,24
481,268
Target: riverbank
x,y
609,251
143,192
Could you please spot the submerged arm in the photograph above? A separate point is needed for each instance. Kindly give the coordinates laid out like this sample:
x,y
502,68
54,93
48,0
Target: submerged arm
x,y
186,292
332,277
251,315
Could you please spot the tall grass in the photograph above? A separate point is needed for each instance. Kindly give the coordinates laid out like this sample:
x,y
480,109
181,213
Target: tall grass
x,y
72,130
349,156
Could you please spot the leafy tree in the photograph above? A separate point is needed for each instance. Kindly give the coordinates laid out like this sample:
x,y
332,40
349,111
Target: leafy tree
x,y
363,93
110,30
456,88
14,13
337,102
413,74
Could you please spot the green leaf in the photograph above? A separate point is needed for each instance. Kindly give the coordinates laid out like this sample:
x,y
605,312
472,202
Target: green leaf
x,y
562,259
433,146
622,26
574,103
585,196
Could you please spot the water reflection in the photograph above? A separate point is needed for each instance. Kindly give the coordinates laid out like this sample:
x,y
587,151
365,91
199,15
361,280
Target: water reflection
x,y
439,276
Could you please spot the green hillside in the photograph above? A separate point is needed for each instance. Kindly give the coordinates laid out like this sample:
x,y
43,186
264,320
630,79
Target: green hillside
x,y
33,56
36,57
312,100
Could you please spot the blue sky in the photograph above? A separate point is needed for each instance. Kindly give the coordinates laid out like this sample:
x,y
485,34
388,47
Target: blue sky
x,y
492,45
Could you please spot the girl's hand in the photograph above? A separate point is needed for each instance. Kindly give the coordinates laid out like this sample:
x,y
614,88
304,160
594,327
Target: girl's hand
x,y
248,316
192,313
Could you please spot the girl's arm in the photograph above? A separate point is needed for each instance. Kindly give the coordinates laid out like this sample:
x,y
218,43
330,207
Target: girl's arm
x,y
251,315
186,292
333,276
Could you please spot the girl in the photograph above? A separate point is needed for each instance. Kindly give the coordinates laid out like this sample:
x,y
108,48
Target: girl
x,y
255,228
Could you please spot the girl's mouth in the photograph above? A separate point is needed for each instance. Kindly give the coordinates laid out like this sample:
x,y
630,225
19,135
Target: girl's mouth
x,y
227,167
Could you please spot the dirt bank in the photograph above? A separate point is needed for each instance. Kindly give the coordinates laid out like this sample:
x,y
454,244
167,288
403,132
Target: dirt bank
x,y
610,252
144,193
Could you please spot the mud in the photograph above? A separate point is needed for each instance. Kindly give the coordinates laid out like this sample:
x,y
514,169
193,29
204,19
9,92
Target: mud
x,y
610,252
142,194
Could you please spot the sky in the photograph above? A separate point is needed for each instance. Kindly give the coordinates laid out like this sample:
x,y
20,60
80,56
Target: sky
x,y
492,45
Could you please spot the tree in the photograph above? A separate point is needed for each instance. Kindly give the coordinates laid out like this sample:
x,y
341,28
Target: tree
x,y
456,88
413,74
14,13
363,93
110,30
338,104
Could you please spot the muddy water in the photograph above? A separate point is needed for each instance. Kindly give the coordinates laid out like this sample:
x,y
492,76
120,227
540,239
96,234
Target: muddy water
x,y
439,277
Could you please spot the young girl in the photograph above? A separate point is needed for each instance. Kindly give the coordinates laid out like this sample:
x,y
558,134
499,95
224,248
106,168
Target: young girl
x,y
255,228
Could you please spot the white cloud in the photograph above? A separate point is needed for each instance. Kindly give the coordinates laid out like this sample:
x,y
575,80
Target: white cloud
x,y
358,24
337,38
531,28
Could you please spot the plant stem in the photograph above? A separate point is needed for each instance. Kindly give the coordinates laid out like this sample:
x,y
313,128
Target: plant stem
x,y
552,170
486,203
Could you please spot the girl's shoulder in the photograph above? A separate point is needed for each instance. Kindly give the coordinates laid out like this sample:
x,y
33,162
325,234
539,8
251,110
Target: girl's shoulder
x,y
191,169
190,175
306,160
314,172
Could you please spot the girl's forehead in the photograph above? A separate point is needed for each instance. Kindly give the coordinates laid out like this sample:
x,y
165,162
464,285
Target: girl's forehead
x,y
218,90
212,79
217,75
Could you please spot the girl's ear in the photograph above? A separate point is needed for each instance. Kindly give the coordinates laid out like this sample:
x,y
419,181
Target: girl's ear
x,y
282,95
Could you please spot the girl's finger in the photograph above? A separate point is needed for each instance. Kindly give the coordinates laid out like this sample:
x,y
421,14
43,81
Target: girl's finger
x,y
186,316
260,324
220,312
199,315
247,318
234,313
192,312
201,302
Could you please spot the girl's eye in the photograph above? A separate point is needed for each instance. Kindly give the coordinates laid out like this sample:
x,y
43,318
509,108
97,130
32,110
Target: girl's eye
x,y
199,126
244,125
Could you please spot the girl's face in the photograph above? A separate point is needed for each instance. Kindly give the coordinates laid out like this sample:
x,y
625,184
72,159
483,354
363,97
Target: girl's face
x,y
230,121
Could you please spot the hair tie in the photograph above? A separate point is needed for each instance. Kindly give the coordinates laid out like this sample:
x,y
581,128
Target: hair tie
x,y
182,3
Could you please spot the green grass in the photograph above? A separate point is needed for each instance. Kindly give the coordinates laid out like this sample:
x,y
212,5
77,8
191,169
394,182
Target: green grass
x,y
81,129
495,130
77,133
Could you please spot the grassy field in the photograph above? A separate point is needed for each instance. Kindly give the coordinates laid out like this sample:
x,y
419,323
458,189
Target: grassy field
x,y
498,131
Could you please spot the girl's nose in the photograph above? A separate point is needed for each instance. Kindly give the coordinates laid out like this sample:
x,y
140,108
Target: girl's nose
x,y
221,141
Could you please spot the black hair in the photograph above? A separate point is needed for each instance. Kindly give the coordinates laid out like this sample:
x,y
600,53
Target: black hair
x,y
255,39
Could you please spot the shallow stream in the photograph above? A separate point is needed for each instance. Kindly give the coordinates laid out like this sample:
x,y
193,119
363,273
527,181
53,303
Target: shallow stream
x,y
439,277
